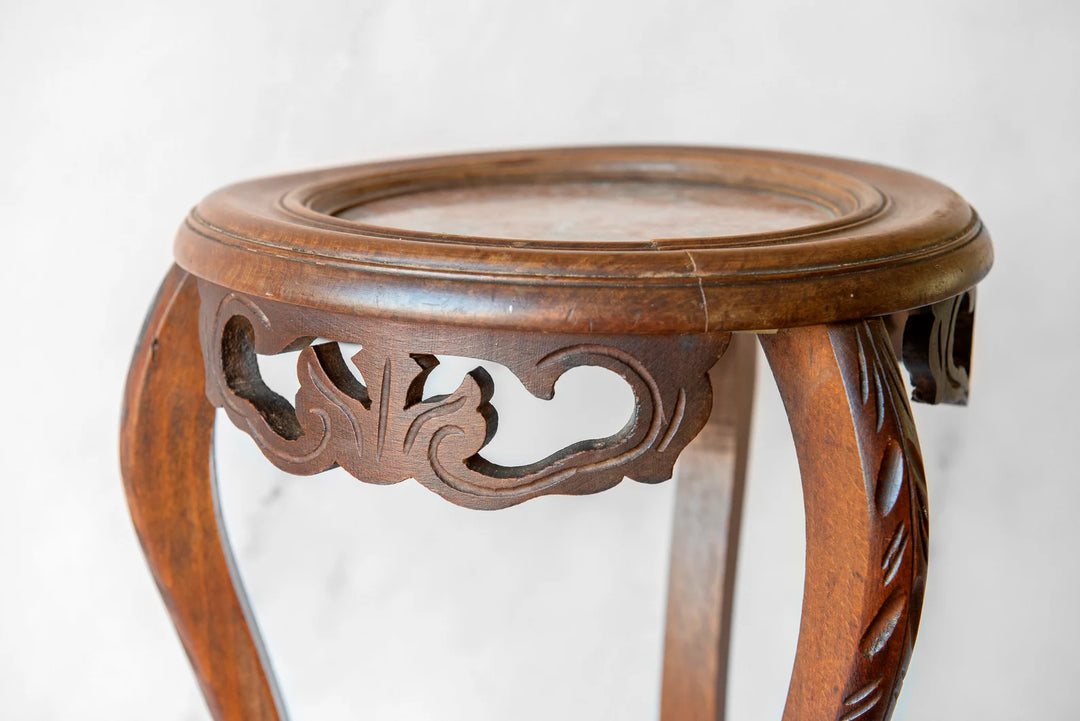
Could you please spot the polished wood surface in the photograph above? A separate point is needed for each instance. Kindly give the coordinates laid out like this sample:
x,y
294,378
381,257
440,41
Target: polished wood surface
x,y
383,430
888,240
165,456
591,211
645,261
866,517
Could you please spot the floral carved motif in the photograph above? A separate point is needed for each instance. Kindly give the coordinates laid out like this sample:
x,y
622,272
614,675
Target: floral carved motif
x,y
937,349
383,430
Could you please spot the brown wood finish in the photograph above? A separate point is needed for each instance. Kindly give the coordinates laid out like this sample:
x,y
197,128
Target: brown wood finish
x,y
889,241
936,346
544,261
385,431
866,517
705,537
165,455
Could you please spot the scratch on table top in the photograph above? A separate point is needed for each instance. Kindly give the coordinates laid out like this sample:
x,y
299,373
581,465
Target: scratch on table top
x,y
701,289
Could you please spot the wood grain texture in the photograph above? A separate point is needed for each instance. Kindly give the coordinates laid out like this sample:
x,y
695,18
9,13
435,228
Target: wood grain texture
x,y
640,260
383,429
886,240
165,454
710,478
866,518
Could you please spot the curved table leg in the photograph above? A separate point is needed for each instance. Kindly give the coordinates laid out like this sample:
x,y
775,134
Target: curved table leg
x,y
165,451
705,536
866,519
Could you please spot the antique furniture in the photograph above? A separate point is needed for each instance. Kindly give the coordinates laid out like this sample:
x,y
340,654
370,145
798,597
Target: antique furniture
x,y
666,265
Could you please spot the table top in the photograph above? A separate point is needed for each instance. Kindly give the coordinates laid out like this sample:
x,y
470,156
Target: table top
x,y
584,211
620,239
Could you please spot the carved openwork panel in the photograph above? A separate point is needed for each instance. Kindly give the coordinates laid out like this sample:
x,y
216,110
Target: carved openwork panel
x,y
382,429
937,349
899,522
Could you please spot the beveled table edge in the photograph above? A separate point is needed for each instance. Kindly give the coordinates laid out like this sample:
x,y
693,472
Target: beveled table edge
x,y
920,244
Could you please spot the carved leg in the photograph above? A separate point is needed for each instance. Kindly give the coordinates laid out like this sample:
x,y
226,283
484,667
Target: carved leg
x,y
705,537
165,452
866,520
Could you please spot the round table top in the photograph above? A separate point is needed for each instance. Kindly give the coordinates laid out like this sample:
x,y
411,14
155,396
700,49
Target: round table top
x,y
620,240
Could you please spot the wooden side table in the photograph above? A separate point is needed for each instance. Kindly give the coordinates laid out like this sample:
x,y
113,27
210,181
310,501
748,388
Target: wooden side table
x,y
664,265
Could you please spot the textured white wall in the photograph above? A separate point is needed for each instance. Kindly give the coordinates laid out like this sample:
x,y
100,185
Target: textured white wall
x,y
387,603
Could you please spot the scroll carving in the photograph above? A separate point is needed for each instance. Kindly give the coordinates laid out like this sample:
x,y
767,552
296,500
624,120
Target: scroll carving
x,y
937,349
896,492
382,430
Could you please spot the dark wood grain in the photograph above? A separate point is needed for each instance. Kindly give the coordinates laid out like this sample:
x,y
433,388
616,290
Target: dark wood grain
x,y
866,518
641,260
165,455
384,430
937,349
887,240
705,539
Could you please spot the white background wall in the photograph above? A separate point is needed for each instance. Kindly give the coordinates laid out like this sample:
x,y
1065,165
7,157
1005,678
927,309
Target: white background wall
x,y
387,603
